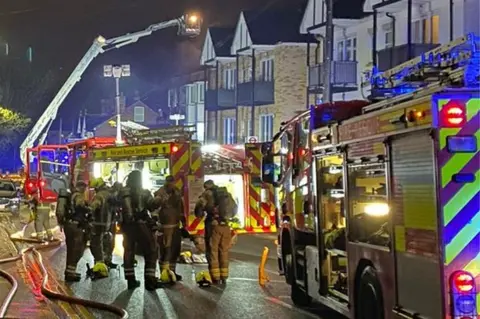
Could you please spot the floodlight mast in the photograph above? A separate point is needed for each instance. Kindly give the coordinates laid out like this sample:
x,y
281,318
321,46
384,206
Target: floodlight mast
x,y
188,25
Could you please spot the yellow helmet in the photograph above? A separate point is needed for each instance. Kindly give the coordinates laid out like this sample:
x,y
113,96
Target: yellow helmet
x,y
203,278
100,270
168,276
97,182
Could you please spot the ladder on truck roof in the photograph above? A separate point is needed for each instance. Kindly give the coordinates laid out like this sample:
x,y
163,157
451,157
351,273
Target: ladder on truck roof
x,y
456,64
162,135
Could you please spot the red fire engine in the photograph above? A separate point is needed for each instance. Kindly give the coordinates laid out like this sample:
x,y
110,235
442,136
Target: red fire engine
x,y
384,196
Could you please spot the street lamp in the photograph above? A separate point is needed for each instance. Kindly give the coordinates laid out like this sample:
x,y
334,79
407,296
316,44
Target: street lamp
x,y
117,71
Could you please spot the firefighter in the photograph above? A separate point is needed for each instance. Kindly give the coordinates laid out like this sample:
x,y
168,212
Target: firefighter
x,y
139,228
100,214
170,216
40,214
73,215
220,207
115,206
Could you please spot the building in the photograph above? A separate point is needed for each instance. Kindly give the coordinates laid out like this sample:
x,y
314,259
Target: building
x,y
256,74
186,101
137,112
375,33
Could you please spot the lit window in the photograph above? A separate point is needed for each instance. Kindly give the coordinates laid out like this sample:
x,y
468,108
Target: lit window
x,y
139,114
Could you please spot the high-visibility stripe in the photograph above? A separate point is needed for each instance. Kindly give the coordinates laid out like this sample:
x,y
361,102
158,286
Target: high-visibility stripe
x,y
460,201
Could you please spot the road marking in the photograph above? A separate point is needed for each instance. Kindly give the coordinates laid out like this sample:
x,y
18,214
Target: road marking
x,y
246,262
289,306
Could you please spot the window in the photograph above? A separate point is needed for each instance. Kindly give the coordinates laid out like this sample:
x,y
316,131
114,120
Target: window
x,y
426,30
388,28
201,92
267,70
369,211
139,114
192,94
266,127
247,75
229,78
249,128
229,130
172,98
347,50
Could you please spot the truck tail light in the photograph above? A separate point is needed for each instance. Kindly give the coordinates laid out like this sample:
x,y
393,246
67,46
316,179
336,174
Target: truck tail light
x,y
174,148
463,295
42,184
453,115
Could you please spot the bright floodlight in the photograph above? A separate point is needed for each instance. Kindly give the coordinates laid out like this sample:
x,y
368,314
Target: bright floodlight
x,y
101,39
193,18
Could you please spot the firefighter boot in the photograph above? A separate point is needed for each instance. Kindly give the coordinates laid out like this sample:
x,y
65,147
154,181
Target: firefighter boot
x,y
132,284
73,277
153,283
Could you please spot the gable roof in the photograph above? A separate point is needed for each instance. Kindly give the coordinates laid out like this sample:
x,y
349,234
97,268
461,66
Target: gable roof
x,y
222,38
275,25
342,9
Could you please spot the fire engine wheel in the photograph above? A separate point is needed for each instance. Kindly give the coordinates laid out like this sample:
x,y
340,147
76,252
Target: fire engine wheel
x,y
368,296
299,297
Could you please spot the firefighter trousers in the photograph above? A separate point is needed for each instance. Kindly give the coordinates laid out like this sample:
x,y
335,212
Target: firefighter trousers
x,y
75,241
139,233
97,243
220,241
208,235
170,242
109,243
42,222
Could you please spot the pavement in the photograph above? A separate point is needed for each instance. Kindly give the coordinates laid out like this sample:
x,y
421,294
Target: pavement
x,y
242,297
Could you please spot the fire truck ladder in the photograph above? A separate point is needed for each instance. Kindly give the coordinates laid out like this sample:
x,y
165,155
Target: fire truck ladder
x,y
456,64
163,135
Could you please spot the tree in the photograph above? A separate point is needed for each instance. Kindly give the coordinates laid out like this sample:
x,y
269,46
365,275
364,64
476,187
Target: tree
x,y
11,125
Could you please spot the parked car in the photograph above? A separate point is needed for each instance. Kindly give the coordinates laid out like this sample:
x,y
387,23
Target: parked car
x,y
9,197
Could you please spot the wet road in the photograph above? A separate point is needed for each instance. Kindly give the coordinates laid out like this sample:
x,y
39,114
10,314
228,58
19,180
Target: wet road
x,y
241,298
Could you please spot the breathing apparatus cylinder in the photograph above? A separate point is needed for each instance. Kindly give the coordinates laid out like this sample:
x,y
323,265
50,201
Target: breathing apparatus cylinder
x,y
127,209
63,205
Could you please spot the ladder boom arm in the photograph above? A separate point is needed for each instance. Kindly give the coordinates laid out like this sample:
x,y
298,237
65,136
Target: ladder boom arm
x,y
99,46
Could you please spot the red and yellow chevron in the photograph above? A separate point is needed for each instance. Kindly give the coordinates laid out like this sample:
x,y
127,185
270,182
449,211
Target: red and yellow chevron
x,y
459,200
195,185
179,163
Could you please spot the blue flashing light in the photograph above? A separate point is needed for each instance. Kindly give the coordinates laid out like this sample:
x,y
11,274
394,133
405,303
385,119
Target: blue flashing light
x,y
462,144
462,178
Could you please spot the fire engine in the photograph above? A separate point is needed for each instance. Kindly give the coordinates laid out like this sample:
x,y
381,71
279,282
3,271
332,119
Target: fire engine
x,y
384,195
51,167
157,154
237,167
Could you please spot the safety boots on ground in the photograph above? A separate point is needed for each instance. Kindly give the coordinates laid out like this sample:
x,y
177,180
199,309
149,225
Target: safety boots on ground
x,y
152,284
111,265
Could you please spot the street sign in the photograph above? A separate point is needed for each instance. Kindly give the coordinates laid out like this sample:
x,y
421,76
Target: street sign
x,y
252,139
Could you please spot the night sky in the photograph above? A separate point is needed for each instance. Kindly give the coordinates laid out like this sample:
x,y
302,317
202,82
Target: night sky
x,y
61,31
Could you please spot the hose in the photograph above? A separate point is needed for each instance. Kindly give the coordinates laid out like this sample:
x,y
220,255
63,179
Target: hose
x,y
39,245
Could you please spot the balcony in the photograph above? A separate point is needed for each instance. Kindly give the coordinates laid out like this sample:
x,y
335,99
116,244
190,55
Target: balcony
x,y
343,78
264,93
219,99
391,57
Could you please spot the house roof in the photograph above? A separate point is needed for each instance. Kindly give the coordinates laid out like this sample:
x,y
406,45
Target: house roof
x,y
348,9
222,38
273,25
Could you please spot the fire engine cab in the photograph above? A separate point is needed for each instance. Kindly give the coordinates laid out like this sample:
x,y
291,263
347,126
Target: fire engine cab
x,y
384,195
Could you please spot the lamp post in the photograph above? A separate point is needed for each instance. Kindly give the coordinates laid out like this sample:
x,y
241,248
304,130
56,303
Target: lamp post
x,y
117,71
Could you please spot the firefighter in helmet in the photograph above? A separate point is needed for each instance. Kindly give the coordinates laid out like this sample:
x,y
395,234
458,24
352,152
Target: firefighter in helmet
x,y
171,218
139,228
40,214
72,213
100,214
219,206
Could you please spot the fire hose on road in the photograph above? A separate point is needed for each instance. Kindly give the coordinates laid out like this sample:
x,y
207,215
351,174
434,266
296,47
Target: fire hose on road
x,y
35,250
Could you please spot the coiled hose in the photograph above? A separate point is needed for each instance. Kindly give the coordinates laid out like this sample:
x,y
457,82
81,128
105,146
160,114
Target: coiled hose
x,y
122,313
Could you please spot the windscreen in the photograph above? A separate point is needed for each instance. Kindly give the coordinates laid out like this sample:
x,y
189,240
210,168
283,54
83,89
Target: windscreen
x,y
54,169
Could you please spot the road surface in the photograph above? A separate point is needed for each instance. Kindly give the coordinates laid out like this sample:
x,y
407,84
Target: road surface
x,y
242,297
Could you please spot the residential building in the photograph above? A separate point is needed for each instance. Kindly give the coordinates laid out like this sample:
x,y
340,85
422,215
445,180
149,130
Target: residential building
x,y
381,34
186,101
137,112
261,80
